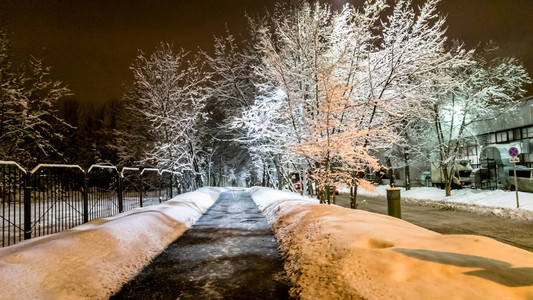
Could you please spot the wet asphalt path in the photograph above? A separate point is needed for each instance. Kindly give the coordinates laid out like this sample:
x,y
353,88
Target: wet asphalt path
x,y
230,253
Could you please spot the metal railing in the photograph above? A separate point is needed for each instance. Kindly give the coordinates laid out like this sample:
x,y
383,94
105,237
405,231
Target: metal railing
x,y
13,194
52,198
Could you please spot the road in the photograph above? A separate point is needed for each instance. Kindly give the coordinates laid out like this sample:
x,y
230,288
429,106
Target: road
x,y
513,232
230,253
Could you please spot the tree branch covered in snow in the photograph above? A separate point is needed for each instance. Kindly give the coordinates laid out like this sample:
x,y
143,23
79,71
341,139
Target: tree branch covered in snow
x,y
340,92
475,92
164,106
30,129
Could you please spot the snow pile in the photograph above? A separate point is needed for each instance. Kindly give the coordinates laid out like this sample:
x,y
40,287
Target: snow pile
x,y
338,253
497,198
94,260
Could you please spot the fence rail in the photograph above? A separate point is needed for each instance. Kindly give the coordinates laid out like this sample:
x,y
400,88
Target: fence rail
x,y
52,198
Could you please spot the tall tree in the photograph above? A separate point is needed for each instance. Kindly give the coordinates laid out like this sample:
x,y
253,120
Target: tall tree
x,y
30,129
231,90
479,91
163,108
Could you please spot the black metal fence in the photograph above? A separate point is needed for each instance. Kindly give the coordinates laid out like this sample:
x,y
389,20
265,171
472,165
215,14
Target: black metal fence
x,y
52,198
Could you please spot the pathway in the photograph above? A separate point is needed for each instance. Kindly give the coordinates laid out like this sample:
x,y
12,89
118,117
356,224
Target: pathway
x,y
230,253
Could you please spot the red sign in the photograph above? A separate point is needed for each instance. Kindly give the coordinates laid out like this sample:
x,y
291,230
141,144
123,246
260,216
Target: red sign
x,y
513,152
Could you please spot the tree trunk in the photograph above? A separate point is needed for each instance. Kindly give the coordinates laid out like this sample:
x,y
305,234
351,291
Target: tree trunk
x,y
447,180
448,188
221,177
390,172
272,181
264,175
407,178
353,196
268,181
303,183
279,176
198,176
407,172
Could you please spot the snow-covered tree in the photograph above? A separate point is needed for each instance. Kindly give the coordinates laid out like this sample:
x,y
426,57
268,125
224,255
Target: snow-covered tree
x,y
307,53
338,147
477,92
381,65
410,56
30,129
331,85
231,84
231,90
163,109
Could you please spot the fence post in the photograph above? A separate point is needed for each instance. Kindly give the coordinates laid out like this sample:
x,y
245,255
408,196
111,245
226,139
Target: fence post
x,y
119,193
141,188
171,187
27,206
86,198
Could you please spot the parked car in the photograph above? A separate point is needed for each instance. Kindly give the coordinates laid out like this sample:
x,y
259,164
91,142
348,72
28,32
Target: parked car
x,y
524,178
460,178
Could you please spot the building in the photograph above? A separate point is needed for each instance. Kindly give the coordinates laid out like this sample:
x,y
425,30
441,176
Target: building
x,y
509,128
515,128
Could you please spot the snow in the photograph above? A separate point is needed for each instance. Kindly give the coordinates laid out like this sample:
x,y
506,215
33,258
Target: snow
x,y
496,198
338,253
94,260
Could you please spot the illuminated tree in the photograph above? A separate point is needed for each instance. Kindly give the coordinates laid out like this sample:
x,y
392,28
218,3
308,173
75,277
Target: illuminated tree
x,y
480,91
30,129
163,108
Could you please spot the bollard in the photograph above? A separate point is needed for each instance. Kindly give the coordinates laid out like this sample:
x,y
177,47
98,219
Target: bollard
x,y
394,207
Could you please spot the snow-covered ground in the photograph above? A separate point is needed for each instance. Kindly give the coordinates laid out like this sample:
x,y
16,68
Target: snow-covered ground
x,y
338,253
94,260
496,198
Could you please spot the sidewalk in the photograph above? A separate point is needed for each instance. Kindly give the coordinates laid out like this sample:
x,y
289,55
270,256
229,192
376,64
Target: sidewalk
x,y
230,253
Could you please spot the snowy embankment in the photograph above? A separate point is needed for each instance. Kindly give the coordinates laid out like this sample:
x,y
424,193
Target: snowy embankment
x,y
497,198
497,202
338,253
94,260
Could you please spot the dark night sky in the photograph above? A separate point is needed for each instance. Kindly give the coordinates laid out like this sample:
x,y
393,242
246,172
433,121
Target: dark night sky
x,y
90,44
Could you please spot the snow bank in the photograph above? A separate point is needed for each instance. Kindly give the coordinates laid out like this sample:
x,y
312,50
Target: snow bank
x,y
338,253
497,198
94,260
